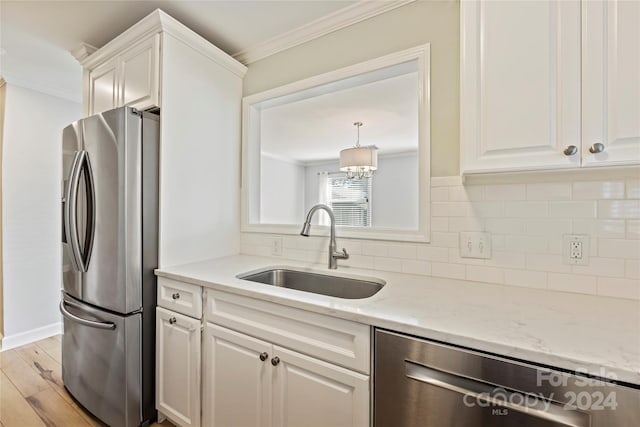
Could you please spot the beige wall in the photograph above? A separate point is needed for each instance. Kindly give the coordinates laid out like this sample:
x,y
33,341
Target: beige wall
x,y
424,21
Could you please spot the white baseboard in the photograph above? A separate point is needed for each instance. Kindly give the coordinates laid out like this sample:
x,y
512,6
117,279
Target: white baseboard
x,y
23,338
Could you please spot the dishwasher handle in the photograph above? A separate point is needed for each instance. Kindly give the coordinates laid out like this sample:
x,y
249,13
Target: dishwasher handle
x,y
482,391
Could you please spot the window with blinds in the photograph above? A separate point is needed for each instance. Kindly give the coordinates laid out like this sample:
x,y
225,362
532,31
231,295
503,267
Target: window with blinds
x,y
350,200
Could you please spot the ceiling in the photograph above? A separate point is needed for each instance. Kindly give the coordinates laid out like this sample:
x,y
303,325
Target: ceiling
x,y
318,127
36,36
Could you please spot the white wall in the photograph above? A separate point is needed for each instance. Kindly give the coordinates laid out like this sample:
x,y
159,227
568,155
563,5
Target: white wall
x,y
31,193
282,191
391,206
395,192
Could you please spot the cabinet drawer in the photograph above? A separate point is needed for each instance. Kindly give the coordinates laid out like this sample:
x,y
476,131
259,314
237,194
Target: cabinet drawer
x,y
180,297
338,341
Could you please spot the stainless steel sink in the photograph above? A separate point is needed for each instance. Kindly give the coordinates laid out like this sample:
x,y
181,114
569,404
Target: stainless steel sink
x,y
333,286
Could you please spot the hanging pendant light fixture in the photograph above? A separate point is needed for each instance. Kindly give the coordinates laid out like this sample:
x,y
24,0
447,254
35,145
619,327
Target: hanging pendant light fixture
x,y
359,161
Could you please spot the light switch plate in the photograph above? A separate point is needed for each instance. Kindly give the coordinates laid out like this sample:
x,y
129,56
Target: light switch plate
x,y
575,249
475,244
276,246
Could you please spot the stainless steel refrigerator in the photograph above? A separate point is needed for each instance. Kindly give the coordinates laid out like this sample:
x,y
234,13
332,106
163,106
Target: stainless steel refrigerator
x,y
110,248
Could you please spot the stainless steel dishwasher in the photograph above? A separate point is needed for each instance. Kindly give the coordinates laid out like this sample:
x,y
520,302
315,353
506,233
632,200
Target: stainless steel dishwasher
x,y
422,383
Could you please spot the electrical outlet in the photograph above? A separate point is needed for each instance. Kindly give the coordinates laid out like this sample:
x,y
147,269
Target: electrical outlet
x,y
475,244
575,249
276,246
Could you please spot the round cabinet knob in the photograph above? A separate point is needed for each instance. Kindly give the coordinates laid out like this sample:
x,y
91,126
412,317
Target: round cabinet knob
x,y
275,361
570,150
172,320
175,296
264,356
596,148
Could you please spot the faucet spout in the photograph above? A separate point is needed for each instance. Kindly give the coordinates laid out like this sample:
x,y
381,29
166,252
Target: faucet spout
x,y
334,256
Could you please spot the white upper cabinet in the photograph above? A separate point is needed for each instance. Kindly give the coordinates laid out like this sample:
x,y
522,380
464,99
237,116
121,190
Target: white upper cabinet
x,y
130,78
611,82
140,74
542,81
103,87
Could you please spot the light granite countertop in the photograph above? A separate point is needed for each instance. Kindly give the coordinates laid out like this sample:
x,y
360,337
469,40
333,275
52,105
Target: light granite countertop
x,y
583,333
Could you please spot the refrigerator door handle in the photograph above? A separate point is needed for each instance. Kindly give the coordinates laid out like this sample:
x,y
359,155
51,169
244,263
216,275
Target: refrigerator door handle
x,y
70,209
85,322
91,217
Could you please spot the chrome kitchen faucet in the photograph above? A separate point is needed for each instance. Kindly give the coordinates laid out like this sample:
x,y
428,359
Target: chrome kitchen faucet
x,y
334,256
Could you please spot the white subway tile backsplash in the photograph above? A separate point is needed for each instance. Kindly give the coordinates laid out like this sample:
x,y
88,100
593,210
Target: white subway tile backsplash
x,y
633,229
633,188
573,283
403,251
549,191
432,253
504,225
526,222
529,279
440,194
358,261
594,190
611,228
619,209
619,288
506,259
387,264
439,223
607,267
546,227
485,274
416,267
375,249
619,248
632,268
467,193
455,258
487,209
581,209
452,271
527,244
505,192
444,240
526,210
546,262
457,224
450,209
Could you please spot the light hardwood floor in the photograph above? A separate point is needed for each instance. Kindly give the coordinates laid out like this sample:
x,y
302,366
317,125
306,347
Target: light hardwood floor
x,y
32,393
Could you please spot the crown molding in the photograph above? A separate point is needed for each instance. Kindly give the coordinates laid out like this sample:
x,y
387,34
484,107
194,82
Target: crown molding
x,y
335,21
158,21
82,51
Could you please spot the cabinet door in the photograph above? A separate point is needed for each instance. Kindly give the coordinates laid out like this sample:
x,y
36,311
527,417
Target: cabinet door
x,y
520,85
140,69
310,392
103,87
611,82
178,367
237,381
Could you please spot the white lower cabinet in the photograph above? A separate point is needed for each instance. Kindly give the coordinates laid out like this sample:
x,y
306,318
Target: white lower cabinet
x,y
178,346
251,382
310,392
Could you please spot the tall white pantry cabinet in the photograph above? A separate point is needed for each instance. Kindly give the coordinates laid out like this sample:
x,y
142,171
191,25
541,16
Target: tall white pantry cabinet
x,y
160,63
549,84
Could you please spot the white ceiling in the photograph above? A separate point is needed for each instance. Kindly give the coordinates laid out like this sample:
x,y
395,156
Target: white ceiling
x,y
36,36
318,127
